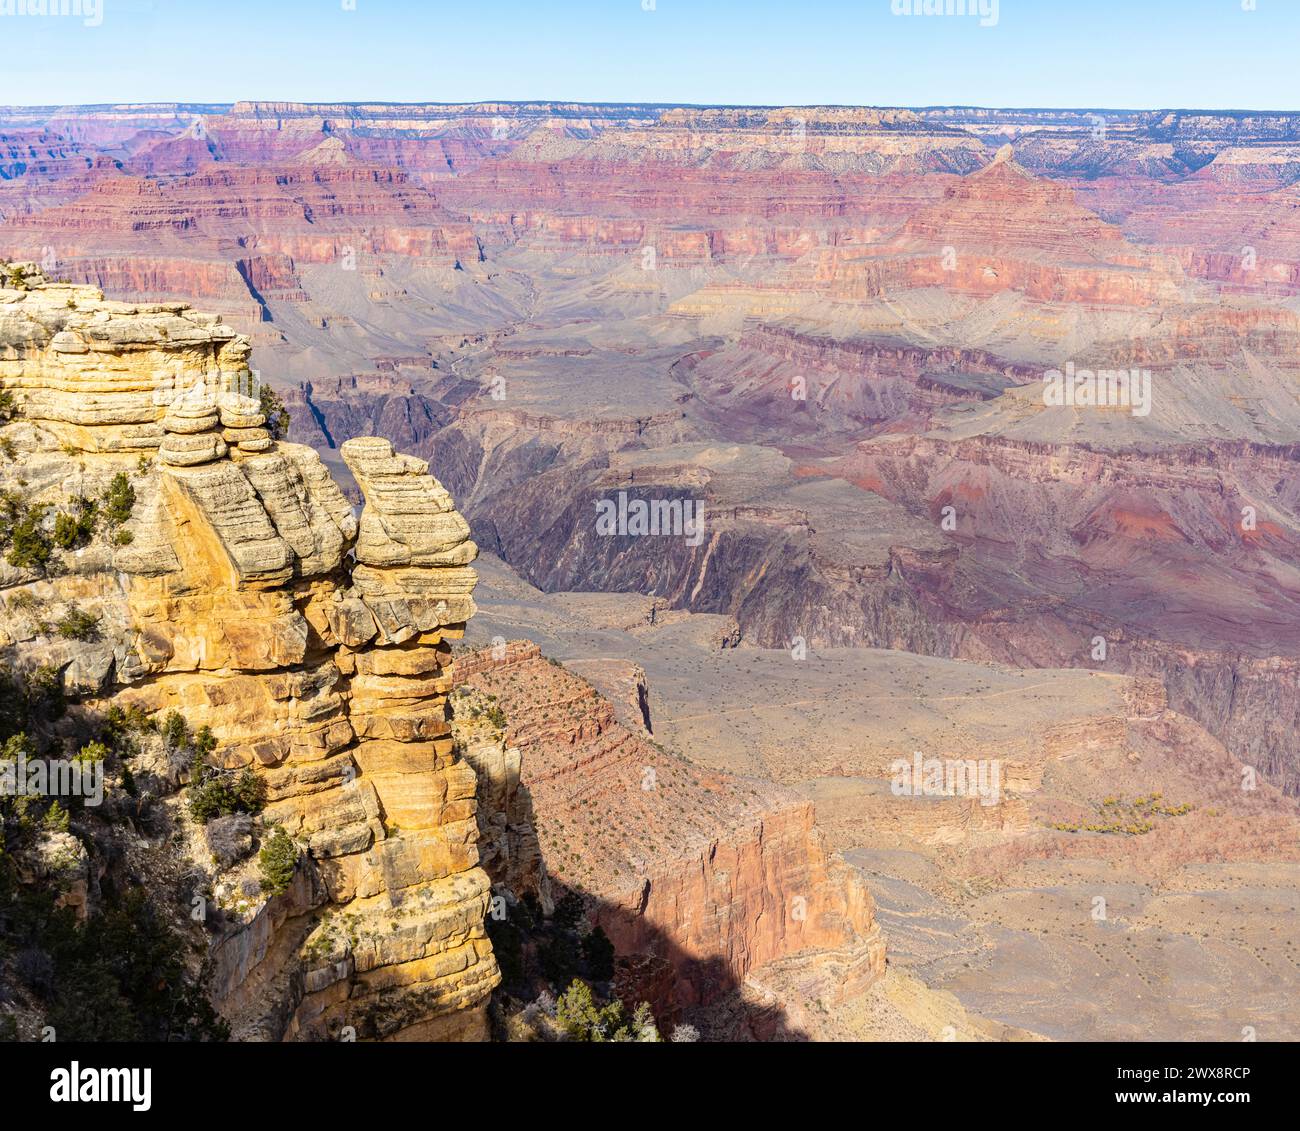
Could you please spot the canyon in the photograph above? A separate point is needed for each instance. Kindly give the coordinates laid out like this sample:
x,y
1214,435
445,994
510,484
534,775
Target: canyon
x,y
244,595
826,327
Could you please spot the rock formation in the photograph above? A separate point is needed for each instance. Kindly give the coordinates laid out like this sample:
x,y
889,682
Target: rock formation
x,y
242,592
705,877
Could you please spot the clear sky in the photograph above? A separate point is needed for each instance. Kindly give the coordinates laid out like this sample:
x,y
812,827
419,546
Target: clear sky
x,y
1205,54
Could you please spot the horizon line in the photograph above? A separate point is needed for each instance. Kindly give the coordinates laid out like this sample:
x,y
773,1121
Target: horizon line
x,y
166,104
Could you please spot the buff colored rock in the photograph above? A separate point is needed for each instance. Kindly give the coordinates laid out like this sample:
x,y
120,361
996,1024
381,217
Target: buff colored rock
x,y
225,596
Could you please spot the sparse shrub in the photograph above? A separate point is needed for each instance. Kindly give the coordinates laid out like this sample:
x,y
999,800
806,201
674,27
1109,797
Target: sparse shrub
x,y
79,625
73,529
227,793
1125,818
92,752
118,500
229,839
277,416
8,406
277,861
29,546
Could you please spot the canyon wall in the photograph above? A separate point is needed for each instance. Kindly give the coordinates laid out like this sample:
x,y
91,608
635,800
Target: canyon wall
x,y
705,876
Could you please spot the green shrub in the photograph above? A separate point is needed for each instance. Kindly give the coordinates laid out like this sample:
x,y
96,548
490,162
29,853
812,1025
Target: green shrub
x,y
508,948
74,529
118,500
599,953
92,752
124,975
18,746
29,703
205,742
583,1018
277,861
8,406
29,545
277,416
12,508
56,817
175,732
79,625
45,697
121,725
227,793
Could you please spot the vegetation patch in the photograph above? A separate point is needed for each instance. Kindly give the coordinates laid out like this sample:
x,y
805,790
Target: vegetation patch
x,y
1120,817
277,862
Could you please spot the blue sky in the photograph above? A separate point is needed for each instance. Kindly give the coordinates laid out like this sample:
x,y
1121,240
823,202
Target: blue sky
x,y
1208,54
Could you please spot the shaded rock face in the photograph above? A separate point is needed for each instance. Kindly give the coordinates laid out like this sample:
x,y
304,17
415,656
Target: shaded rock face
x,y
230,594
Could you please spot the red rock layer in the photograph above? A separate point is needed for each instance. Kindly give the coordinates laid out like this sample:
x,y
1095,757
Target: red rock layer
x,y
714,874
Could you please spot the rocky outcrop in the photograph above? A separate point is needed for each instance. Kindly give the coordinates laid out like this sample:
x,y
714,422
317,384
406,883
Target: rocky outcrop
x,y
232,594
708,875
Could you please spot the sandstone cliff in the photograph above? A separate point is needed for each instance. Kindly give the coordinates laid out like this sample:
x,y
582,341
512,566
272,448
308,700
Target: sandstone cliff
x,y
235,586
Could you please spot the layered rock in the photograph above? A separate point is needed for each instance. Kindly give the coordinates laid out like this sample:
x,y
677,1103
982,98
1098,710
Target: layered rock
x,y
706,875
226,596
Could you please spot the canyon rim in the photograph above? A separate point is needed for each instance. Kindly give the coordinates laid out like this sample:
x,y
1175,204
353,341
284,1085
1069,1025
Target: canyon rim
x,y
808,564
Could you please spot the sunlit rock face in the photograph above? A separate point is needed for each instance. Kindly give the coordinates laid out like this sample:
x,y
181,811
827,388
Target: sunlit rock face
x,y
237,593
